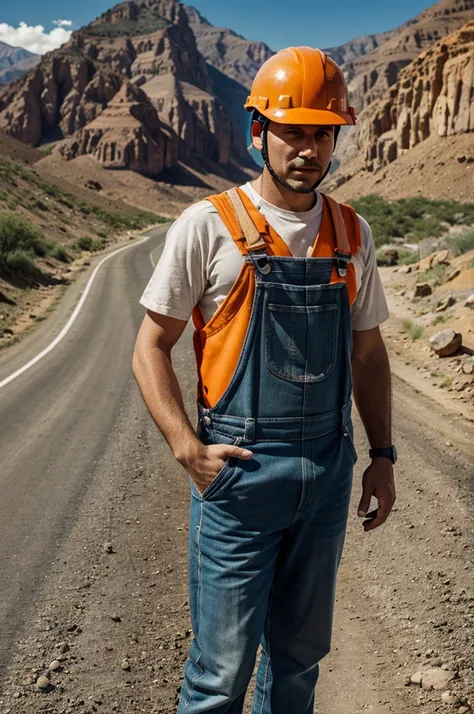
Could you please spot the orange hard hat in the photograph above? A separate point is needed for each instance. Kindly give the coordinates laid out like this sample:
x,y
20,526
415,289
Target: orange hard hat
x,y
301,85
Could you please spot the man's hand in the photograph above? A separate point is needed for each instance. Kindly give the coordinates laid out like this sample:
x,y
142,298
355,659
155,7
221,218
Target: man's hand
x,y
377,481
205,462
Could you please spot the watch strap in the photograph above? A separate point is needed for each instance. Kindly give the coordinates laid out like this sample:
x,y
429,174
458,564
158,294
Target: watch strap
x,y
389,452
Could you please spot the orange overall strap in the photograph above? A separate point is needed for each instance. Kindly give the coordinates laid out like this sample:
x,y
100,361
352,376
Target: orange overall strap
x,y
275,244
253,237
234,215
342,241
339,231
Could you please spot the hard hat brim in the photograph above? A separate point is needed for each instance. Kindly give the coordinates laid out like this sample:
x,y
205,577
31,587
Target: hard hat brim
x,y
306,116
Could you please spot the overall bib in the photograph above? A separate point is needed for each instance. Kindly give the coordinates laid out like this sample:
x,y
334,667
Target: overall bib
x,y
266,536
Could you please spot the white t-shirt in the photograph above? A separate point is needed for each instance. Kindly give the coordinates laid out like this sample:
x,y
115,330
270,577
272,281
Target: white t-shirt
x,y
200,262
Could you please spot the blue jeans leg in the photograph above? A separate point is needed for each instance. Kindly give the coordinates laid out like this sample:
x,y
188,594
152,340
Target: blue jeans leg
x,y
231,573
299,623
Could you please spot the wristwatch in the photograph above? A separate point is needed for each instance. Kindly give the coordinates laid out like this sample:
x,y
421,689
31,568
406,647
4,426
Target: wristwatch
x,y
389,453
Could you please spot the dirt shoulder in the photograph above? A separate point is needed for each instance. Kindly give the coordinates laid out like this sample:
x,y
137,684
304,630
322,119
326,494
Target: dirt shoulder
x,y
414,320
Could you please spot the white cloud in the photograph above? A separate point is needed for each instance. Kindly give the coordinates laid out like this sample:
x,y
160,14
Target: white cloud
x,y
34,37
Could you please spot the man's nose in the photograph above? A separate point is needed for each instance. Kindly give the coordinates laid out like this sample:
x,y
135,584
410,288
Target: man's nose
x,y
309,152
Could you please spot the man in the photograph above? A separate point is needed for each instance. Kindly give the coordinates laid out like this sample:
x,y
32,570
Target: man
x,y
287,302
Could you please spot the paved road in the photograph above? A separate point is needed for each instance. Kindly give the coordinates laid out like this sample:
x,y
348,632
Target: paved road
x,y
55,419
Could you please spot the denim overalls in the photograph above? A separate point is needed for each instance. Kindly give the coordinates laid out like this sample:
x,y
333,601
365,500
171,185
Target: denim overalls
x,y
267,535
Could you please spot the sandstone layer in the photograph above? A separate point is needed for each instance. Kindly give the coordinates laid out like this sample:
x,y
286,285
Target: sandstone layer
x,y
433,96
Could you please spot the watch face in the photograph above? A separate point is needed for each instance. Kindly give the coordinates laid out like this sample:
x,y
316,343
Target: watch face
x,y
395,454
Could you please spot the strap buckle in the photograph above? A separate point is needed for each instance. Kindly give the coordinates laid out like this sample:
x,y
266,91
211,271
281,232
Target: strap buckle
x,y
342,261
261,262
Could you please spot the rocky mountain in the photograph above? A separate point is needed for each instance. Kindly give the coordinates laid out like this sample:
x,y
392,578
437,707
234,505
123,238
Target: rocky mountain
x,y
432,96
372,63
14,62
226,51
130,89
417,138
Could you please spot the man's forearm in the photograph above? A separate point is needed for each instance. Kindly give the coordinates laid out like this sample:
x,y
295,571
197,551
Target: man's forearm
x,y
373,395
161,392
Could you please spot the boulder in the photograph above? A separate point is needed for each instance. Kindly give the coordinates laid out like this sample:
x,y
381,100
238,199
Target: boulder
x,y
470,301
388,257
422,290
442,257
426,263
446,343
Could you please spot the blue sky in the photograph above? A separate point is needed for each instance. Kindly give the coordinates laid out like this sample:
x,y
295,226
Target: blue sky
x,y
279,23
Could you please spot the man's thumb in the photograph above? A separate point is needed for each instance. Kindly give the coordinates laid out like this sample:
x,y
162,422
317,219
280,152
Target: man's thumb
x,y
239,453
364,504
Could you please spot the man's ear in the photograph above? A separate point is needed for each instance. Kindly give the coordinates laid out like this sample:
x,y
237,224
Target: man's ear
x,y
256,130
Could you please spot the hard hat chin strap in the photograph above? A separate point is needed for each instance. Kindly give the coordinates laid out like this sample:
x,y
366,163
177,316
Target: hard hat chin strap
x,y
273,173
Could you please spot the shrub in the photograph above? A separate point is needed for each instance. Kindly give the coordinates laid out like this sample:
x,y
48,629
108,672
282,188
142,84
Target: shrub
x,y
60,253
407,257
85,243
412,218
18,234
415,330
20,261
436,274
463,243
88,243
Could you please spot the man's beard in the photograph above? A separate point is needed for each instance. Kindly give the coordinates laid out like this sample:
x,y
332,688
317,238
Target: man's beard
x,y
299,183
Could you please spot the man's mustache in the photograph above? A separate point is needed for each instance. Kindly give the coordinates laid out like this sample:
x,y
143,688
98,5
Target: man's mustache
x,y
306,164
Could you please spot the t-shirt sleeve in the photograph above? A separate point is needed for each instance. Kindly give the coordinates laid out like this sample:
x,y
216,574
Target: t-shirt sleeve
x,y
179,279
370,308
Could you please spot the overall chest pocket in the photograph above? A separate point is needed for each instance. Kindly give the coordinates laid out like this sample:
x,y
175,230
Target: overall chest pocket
x,y
301,341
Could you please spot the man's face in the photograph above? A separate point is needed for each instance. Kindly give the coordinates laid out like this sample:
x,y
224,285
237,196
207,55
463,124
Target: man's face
x,y
300,154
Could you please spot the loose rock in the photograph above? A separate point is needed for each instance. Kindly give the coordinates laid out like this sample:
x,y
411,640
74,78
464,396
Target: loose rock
x,y
423,290
426,263
442,257
42,682
446,342
416,678
125,665
55,664
445,304
450,698
468,365
437,678
453,274
470,301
